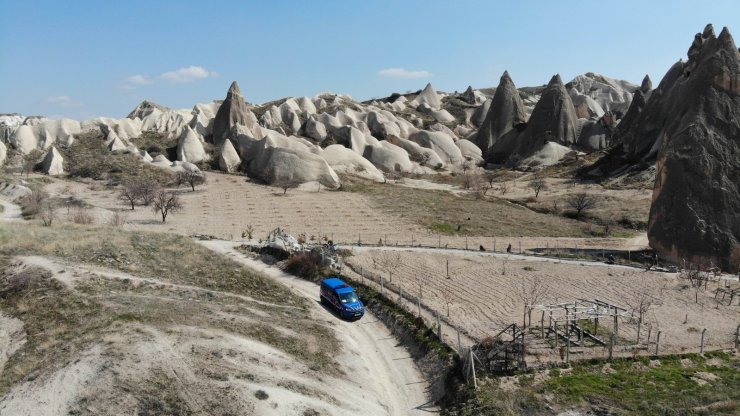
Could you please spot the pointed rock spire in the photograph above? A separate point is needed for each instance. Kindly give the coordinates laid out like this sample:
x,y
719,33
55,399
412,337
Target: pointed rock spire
x,y
696,205
505,113
427,96
233,111
469,95
190,147
647,84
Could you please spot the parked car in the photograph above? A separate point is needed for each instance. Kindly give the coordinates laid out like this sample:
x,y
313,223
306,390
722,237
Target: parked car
x,y
341,297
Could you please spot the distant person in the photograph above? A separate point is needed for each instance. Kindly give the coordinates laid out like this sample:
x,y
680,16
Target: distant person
x,y
508,249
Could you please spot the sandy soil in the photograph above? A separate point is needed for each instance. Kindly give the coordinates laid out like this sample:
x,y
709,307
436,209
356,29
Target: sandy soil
x,y
378,376
483,293
227,204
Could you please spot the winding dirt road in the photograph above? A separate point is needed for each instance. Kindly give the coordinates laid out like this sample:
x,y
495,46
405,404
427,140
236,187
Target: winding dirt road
x,y
383,366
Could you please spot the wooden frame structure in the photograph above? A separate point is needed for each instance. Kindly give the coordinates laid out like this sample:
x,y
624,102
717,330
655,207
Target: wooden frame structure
x,y
498,355
563,320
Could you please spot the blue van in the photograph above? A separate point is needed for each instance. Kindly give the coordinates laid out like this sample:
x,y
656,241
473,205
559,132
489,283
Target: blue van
x,y
342,298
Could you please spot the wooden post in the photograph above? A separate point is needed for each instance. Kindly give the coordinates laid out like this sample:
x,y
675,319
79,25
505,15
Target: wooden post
x,y
494,244
520,246
381,285
524,326
737,337
567,351
466,242
650,330
542,325
448,268
701,347
556,334
657,343
611,345
418,306
472,368
616,323
459,344
359,239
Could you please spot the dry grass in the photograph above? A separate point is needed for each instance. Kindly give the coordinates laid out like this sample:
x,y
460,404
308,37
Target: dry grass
x,y
443,212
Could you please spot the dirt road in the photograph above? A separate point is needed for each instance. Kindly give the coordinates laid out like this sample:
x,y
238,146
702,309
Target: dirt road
x,y
381,365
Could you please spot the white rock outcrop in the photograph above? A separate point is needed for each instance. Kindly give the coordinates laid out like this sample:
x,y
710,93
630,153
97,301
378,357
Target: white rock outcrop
x,y
53,163
228,159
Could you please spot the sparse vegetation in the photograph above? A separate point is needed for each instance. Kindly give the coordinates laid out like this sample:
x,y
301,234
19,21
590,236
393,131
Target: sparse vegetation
x,y
166,202
581,202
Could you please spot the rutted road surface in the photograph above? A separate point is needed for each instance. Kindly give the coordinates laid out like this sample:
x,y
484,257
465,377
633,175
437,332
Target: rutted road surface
x,y
382,365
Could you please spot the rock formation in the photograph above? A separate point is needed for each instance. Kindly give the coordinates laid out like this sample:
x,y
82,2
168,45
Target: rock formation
x,y
53,163
146,108
190,148
647,84
232,111
506,112
228,159
429,97
695,214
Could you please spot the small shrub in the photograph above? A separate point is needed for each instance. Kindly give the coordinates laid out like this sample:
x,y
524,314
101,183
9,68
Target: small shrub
x,y
305,265
82,216
261,395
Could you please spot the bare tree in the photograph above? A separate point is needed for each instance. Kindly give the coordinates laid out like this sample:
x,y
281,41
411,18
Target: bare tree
x,y
286,184
166,202
643,297
190,177
581,202
532,292
448,297
698,275
130,193
387,261
147,191
479,185
538,185
47,212
503,187
248,232
490,178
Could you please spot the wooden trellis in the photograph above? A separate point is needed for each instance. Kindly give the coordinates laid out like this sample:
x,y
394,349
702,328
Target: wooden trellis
x,y
563,320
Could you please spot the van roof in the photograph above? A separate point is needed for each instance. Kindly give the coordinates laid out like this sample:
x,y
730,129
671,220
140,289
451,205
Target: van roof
x,y
335,283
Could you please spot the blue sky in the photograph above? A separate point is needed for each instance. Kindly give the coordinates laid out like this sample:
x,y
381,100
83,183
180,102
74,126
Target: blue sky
x,y
82,58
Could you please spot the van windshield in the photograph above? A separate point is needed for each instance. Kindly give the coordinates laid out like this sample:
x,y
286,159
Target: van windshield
x,y
350,297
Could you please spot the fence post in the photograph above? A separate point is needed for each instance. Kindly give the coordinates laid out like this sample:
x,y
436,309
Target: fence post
x,y
448,268
472,368
466,242
381,285
567,350
542,325
459,344
701,347
418,305
650,329
737,337
494,244
657,342
611,345
520,246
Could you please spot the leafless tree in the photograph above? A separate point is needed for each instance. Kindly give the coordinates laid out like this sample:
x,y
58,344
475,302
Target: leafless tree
x,y
479,185
286,184
538,185
248,232
147,191
503,187
581,202
698,275
47,212
190,177
490,178
448,297
532,292
130,193
643,297
166,202
387,261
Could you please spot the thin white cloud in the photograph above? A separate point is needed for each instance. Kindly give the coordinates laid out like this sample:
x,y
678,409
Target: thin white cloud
x,y
138,80
404,73
63,101
135,81
189,74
